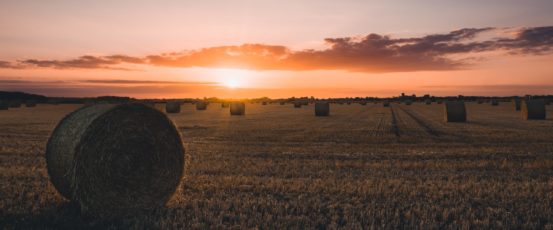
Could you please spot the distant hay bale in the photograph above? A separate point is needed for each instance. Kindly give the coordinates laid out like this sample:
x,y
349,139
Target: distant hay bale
x,y
237,108
533,109
15,104
4,105
386,104
363,103
408,102
30,103
480,101
89,102
264,103
150,104
455,111
516,103
322,109
495,102
201,105
115,159
348,103
428,102
172,107
297,105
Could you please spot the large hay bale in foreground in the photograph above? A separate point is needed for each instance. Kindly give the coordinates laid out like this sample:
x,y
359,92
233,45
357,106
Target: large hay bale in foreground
x,y
455,111
201,105
533,109
172,107
115,159
237,108
322,109
516,103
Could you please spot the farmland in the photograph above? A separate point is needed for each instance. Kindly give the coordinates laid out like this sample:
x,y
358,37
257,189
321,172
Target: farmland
x,y
281,167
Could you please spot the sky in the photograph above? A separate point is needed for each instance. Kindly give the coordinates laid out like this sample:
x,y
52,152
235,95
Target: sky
x,y
247,48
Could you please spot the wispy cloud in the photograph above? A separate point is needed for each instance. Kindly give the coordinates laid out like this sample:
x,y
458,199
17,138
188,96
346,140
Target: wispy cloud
x,y
122,87
119,81
370,53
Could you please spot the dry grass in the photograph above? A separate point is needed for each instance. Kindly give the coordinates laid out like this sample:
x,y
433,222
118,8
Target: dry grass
x,y
281,167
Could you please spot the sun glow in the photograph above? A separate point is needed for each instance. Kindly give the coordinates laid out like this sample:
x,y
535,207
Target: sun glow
x,y
232,83
233,78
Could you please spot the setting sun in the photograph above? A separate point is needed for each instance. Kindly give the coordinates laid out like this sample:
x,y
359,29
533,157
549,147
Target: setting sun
x,y
232,78
231,83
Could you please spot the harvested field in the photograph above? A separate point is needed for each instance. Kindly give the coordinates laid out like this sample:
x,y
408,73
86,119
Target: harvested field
x,y
281,167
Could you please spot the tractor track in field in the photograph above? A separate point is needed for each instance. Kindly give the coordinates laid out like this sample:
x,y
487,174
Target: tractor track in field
x,y
376,132
421,122
395,128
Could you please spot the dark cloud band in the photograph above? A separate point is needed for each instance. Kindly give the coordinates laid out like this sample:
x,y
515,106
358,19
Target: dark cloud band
x,y
371,53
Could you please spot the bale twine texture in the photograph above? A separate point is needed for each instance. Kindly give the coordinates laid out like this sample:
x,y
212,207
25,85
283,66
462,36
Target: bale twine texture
x,y
115,159
201,105
533,109
237,108
172,107
322,109
455,111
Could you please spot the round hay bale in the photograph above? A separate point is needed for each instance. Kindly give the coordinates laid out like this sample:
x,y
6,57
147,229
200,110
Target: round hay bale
x,y
115,159
533,109
363,103
455,111
15,104
172,107
516,103
201,105
150,104
297,105
264,103
30,103
4,105
428,102
237,108
386,104
495,102
322,109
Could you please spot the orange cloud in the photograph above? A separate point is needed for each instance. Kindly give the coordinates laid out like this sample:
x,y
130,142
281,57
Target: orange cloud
x,y
372,53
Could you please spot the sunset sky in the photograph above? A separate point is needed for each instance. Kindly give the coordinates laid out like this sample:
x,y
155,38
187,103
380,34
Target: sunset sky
x,y
255,48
